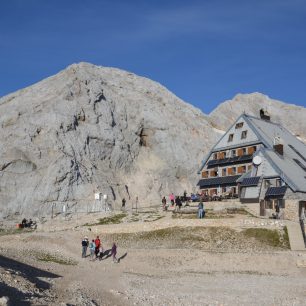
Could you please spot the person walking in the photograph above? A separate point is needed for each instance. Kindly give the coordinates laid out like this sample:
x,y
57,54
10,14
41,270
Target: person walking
x,y
97,243
123,203
84,246
92,248
114,253
171,198
201,212
164,203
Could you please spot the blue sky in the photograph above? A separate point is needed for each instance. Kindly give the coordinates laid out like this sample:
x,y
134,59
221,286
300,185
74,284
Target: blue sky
x,y
203,51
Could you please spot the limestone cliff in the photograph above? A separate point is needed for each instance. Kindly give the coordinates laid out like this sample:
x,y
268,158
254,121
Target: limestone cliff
x,y
93,129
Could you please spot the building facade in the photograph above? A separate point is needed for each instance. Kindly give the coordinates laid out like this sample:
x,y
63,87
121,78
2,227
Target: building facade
x,y
260,162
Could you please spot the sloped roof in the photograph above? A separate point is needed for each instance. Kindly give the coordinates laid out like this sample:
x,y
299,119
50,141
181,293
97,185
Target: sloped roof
x,y
289,165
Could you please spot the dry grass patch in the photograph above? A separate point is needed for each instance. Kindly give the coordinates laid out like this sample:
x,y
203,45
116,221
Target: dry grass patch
x,y
273,238
47,257
115,219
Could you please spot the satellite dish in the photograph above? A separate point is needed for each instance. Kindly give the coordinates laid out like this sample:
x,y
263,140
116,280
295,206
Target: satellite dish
x,y
257,160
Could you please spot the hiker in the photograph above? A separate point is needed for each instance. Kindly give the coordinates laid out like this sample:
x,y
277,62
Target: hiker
x,y
84,246
24,222
201,211
92,248
164,203
97,243
178,203
100,254
171,197
185,196
123,202
114,253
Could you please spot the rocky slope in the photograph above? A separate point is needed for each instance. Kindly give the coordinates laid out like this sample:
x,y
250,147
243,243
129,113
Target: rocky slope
x,y
92,129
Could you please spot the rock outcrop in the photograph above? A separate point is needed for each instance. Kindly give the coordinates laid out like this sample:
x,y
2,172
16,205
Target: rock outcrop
x,y
92,129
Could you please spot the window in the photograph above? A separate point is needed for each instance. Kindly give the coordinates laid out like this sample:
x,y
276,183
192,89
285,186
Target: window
x,y
243,169
233,154
239,125
244,134
205,174
215,156
233,170
278,182
230,137
222,155
244,151
251,150
224,172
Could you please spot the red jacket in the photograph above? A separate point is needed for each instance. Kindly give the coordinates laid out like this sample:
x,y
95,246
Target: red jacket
x,y
97,243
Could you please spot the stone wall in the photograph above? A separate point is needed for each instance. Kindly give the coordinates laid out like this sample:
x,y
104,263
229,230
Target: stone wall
x,y
291,210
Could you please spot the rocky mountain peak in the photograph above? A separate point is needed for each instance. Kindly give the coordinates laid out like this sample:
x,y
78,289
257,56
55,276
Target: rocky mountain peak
x,y
93,129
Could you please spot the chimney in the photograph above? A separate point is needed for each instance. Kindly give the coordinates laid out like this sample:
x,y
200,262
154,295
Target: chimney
x,y
279,148
264,115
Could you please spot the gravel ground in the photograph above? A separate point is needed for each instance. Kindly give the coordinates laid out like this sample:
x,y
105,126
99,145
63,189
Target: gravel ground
x,y
163,262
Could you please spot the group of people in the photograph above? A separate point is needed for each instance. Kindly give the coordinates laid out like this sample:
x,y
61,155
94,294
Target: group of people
x,y
178,201
29,224
96,250
175,200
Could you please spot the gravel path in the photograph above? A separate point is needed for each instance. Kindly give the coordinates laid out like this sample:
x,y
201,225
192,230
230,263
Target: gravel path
x,y
164,270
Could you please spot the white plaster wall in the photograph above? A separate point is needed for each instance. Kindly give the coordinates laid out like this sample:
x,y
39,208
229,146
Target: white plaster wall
x,y
251,136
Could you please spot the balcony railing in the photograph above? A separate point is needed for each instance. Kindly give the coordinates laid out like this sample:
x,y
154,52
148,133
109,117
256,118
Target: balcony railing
x,y
228,161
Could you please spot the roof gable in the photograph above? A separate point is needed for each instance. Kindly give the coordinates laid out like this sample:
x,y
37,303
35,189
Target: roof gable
x,y
234,135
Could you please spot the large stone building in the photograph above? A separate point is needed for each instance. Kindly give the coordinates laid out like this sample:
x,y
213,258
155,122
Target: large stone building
x,y
260,162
